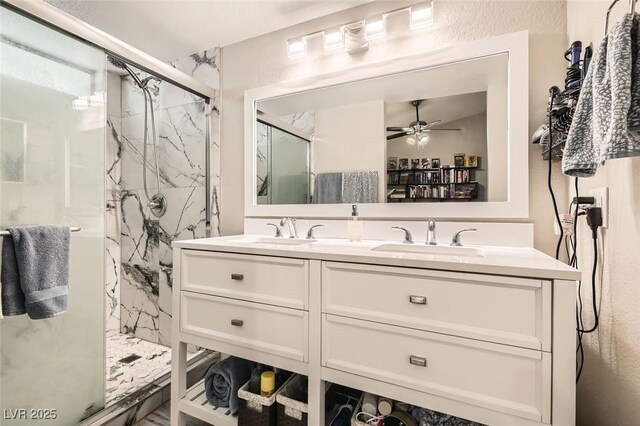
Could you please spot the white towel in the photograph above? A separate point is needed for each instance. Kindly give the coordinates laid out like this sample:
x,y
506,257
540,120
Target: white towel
x,y
608,110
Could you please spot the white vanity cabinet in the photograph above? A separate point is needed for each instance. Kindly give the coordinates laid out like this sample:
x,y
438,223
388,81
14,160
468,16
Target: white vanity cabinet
x,y
490,347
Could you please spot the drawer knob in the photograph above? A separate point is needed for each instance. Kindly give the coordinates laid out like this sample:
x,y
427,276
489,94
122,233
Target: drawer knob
x,y
237,322
237,277
418,300
418,360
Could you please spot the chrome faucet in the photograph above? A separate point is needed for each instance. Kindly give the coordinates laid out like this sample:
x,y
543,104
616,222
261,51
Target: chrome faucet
x,y
293,231
431,233
408,239
278,231
455,241
310,235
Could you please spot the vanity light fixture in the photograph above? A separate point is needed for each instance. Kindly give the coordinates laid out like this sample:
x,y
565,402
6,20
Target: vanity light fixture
x,y
297,47
334,39
354,37
375,28
421,15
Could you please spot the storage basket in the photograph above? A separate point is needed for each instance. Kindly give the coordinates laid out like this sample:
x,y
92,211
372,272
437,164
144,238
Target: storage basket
x,y
257,410
291,410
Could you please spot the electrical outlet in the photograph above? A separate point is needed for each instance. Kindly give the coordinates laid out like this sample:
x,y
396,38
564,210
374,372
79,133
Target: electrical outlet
x,y
602,200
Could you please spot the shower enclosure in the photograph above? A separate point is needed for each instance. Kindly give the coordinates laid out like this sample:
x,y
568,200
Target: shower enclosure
x,y
73,137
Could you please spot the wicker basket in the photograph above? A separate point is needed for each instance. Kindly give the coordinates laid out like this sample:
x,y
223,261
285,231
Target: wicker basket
x,y
257,410
292,412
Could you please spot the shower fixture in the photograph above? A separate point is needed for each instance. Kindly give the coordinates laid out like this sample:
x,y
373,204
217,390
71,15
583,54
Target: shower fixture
x,y
157,202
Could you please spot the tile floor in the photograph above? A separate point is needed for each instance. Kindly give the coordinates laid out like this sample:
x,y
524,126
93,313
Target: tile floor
x,y
147,362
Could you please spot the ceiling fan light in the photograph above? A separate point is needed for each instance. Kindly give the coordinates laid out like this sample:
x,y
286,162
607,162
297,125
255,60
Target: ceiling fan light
x,y
423,139
411,140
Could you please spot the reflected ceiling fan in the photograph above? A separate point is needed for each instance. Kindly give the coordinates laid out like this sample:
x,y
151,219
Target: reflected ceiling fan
x,y
418,131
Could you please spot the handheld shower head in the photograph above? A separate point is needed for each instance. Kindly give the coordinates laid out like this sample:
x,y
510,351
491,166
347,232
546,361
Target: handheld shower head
x,y
117,62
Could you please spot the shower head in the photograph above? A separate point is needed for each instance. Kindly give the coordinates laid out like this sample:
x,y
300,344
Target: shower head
x,y
119,63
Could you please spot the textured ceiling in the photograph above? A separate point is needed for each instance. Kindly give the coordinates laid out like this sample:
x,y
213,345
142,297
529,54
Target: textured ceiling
x,y
171,29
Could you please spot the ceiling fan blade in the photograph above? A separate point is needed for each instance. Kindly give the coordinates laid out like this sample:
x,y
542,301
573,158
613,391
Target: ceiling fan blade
x,y
446,130
399,135
431,123
399,129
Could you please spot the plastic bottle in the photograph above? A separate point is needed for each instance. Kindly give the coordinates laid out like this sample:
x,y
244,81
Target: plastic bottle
x,y
355,227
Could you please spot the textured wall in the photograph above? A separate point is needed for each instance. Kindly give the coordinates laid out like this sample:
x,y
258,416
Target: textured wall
x,y
456,22
609,390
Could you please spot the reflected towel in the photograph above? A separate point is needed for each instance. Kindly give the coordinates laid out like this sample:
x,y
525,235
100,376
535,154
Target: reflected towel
x,y
607,115
223,380
328,188
35,271
359,187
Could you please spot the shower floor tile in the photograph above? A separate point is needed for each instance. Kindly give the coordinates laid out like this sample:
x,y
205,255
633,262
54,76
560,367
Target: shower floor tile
x,y
132,363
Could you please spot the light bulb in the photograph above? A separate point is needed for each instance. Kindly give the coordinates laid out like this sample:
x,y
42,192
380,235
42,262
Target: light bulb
x,y
333,39
375,28
411,140
423,139
297,48
421,15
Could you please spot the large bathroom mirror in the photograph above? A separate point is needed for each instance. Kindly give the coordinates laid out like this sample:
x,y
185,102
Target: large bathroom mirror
x,y
441,134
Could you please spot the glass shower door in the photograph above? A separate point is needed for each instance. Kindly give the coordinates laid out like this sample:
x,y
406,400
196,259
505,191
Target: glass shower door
x,y
52,148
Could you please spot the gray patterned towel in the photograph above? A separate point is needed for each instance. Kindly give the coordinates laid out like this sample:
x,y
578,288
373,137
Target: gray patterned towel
x,y
359,187
607,116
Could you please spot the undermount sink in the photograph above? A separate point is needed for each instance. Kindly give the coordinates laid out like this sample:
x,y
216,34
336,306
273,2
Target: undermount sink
x,y
427,249
283,241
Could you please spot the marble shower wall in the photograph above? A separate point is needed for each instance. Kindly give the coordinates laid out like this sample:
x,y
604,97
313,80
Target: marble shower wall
x,y
146,261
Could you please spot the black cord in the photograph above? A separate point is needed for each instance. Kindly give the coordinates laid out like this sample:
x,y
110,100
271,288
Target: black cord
x,y
550,186
593,290
580,329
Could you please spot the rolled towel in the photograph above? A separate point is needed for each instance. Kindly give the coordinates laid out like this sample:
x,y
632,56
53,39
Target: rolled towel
x,y
35,271
224,379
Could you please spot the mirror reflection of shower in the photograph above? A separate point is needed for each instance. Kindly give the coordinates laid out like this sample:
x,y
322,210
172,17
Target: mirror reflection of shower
x,y
157,202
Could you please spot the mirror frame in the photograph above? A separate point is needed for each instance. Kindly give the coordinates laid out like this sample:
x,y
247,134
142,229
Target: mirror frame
x,y
516,45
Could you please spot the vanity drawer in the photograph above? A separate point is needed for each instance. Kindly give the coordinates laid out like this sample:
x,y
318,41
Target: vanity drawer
x,y
503,378
270,329
273,280
508,310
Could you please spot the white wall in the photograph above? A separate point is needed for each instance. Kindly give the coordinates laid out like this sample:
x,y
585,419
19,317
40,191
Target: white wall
x,y
351,138
609,390
455,23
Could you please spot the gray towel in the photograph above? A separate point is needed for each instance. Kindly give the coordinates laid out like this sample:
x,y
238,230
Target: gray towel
x,y
223,380
359,187
35,271
328,188
607,115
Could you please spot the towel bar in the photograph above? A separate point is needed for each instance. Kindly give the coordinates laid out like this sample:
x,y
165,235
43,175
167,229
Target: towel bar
x,y
72,229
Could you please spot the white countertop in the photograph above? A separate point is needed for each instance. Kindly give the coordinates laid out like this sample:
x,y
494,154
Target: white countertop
x,y
513,261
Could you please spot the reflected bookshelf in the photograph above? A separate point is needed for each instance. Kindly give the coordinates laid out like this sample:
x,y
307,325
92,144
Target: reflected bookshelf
x,y
432,184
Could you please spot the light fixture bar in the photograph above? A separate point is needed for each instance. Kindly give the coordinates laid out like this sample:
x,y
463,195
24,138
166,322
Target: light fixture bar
x,y
420,16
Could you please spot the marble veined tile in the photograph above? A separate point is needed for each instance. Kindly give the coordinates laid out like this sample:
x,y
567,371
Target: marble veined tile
x,y
180,135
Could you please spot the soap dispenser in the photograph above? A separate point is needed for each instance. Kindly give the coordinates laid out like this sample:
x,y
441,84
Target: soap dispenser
x,y
355,227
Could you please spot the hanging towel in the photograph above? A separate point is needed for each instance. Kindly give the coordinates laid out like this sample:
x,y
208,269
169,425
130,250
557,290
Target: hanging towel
x,y
360,187
328,188
223,380
607,118
35,271
622,138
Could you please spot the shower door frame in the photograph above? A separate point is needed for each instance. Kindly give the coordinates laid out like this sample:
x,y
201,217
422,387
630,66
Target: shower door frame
x,y
58,20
